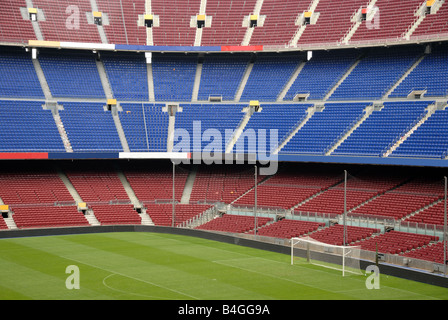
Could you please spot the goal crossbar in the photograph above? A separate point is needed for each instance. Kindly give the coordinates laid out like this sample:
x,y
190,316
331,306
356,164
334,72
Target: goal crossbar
x,y
344,258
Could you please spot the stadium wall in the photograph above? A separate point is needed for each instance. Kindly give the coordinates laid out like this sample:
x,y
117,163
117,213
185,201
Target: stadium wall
x,y
390,161
135,48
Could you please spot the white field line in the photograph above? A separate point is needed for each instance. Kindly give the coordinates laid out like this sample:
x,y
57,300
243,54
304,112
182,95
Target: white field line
x,y
133,278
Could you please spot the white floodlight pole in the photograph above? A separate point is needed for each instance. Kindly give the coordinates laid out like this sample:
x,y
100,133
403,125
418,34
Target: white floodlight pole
x,y
255,203
345,207
344,222
292,251
445,228
174,196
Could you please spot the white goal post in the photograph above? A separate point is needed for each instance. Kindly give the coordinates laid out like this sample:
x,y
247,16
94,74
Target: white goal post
x,y
344,258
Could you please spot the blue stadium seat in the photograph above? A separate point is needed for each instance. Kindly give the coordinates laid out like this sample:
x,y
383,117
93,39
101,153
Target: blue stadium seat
x,y
18,78
324,128
128,76
430,140
269,76
221,75
72,75
90,128
281,117
219,120
174,76
430,75
145,126
377,72
382,128
321,73
27,127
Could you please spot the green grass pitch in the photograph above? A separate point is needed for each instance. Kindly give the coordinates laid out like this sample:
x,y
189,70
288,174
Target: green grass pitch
x,y
157,266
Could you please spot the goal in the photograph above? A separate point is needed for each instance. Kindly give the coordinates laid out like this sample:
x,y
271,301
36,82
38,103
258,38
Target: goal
x,y
343,258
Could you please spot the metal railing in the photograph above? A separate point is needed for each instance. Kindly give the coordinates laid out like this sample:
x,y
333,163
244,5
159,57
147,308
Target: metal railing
x,y
367,256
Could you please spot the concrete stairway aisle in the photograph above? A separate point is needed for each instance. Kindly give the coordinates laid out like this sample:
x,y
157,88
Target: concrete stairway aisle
x,y
62,132
43,81
151,93
115,109
403,137
300,26
10,222
90,216
405,75
239,130
367,112
290,82
73,192
197,81
354,65
146,219
260,22
309,113
120,131
189,186
243,82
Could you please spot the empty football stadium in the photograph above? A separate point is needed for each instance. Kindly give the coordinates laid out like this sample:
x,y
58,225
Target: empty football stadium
x,y
223,150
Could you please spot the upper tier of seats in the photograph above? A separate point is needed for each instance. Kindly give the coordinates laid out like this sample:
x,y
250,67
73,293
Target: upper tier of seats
x,y
395,18
280,23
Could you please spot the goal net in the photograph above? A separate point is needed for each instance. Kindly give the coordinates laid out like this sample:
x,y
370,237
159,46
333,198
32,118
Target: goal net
x,y
343,258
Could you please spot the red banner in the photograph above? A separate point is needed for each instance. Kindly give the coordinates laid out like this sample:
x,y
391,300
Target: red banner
x,y
24,155
241,48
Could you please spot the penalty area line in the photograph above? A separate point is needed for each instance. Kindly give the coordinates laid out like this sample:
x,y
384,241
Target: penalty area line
x,y
127,292
133,278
